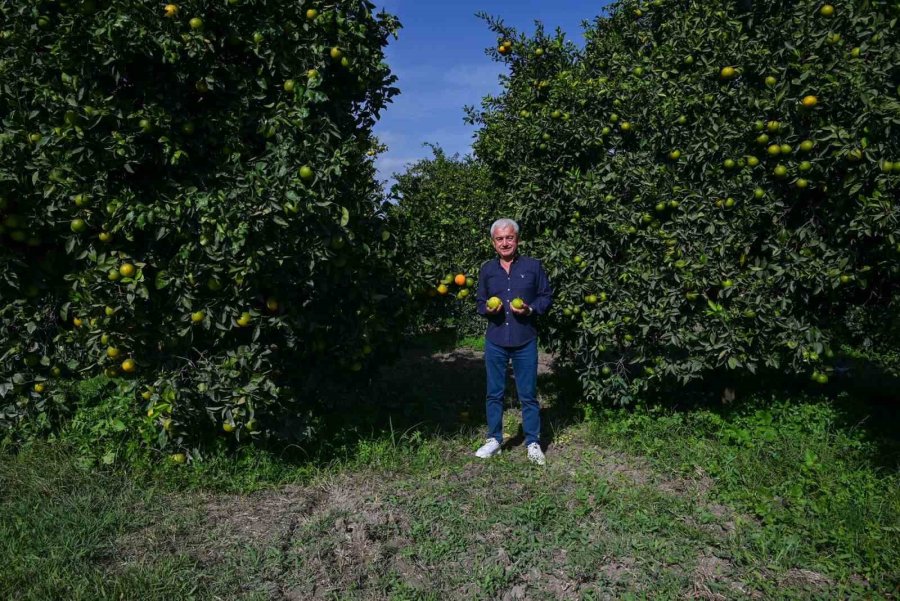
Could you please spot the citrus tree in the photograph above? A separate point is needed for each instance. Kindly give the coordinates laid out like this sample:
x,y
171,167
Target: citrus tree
x,y
188,202
715,184
442,212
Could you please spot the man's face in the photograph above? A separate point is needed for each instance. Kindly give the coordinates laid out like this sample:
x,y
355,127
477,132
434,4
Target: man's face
x,y
505,242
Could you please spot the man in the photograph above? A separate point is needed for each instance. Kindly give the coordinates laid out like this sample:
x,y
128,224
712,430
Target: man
x,y
511,335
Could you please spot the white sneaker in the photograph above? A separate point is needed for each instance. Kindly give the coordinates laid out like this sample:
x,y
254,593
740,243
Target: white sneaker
x,y
535,454
488,449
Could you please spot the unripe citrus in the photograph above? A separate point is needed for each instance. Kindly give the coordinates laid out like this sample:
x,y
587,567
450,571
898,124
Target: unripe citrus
x,y
728,72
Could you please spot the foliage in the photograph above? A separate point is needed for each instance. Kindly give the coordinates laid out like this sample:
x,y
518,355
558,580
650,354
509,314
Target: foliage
x,y
714,184
188,202
444,209
795,465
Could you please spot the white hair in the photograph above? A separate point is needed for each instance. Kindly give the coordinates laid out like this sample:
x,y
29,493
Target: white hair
x,y
504,223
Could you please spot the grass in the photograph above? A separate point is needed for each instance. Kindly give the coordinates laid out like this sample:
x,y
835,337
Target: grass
x,y
784,500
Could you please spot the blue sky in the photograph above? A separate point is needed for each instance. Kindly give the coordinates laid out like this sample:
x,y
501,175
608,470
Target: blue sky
x,y
441,64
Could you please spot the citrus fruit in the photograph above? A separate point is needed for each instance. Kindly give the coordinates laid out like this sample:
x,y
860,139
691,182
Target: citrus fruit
x,y
494,303
517,303
126,270
128,366
460,279
196,23
197,316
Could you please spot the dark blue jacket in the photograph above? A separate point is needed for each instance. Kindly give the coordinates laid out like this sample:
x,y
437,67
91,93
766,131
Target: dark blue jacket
x,y
526,280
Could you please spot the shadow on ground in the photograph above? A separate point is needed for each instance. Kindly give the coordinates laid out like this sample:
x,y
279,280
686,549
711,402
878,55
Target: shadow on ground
x,y
438,390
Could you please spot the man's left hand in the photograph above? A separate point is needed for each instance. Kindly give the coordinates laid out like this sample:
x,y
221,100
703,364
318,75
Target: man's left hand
x,y
525,311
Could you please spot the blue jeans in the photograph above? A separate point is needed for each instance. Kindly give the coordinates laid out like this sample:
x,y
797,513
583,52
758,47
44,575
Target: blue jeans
x,y
524,361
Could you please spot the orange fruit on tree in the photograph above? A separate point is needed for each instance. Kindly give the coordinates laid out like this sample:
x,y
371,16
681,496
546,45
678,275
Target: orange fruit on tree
x,y
311,14
442,289
127,270
460,279
171,10
128,366
809,101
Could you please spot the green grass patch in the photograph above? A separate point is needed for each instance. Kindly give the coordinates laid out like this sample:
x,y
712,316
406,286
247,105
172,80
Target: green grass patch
x,y
813,484
475,343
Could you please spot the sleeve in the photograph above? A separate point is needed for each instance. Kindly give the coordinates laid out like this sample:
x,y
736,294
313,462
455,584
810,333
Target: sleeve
x,y
481,294
544,296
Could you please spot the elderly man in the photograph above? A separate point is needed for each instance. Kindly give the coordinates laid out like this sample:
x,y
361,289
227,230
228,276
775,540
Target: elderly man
x,y
511,334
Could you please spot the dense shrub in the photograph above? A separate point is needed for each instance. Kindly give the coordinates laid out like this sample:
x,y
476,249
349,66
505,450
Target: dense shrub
x,y
188,202
715,184
444,207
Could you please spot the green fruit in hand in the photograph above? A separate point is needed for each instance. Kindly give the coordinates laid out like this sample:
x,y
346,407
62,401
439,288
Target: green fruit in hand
x,y
517,303
494,303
